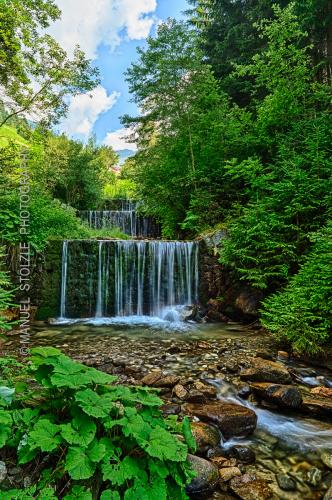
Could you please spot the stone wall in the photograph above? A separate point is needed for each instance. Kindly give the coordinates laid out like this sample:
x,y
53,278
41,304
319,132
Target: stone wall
x,y
221,293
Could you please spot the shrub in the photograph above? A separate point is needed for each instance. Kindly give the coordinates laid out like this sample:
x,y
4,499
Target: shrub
x,y
82,437
302,313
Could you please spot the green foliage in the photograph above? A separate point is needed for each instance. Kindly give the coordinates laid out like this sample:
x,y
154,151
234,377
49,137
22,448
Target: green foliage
x,y
95,438
6,293
302,312
36,75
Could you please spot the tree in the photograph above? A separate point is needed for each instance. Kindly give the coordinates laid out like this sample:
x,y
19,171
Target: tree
x,y
36,75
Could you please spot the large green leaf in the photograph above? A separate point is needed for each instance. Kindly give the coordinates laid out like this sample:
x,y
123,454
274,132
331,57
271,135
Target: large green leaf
x,y
165,446
110,495
93,404
45,436
119,473
78,464
81,430
186,429
96,451
78,493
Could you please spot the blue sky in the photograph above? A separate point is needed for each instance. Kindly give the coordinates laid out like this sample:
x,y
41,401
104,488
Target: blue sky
x,y
109,32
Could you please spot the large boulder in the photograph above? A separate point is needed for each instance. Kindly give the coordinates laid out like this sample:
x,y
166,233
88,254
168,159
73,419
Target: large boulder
x,y
317,405
263,370
232,419
283,395
206,436
206,480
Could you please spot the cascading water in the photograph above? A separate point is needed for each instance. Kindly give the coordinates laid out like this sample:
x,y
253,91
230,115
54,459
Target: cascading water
x,y
123,216
127,278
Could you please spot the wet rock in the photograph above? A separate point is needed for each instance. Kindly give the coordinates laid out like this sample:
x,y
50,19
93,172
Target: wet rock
x,y
314,477
243,454
244,392
248,488
206,436
151,378
284,395
180,392
3,471
232,367
326,458
283,355
262,370
285,482
208,390
324,392
207,477
328,494
316,405
227,473
232,419
171,409
195,396
222,462
167,381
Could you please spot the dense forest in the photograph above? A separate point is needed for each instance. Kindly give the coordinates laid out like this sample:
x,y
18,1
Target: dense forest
x,y
234,139
236,133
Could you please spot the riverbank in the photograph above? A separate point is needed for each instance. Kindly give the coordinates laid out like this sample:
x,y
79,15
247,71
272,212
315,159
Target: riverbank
x,y
222,376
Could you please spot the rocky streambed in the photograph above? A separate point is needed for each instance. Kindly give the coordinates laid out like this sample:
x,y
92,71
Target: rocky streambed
x,y
262,421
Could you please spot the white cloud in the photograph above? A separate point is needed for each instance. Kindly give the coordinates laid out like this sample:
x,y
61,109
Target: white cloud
x,y
90,23
119,140
85,109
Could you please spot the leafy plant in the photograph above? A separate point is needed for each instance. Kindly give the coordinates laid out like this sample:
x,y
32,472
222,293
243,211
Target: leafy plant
x,y
93,437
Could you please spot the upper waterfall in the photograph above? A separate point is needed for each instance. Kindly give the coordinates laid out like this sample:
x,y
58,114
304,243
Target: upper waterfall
x,y
123,215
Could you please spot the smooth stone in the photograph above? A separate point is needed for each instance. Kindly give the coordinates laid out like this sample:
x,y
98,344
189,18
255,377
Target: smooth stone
x,y
206,436
232,419
227,473
248,488
263,370
317,405
243,454
151,378
284,395
180,392
314,476
326,458
168,381
285,482
195,396
207,477
208,390
324,392
328,494
171,409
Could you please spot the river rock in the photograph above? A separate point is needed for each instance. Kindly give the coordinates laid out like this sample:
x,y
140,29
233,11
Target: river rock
x,y
328,494
243,454
207,477
326,458
317,405
232,419
180,392
263,370
208,390
314,477
324,392
284,395
227,473
248,488
167,381
206,436
151,378
195,396
285,482
171,409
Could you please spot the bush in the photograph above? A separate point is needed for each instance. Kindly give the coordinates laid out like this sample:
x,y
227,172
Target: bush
x,y
82,437
302,313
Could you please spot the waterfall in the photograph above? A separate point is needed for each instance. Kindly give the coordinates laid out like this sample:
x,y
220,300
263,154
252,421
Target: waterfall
x,y
130,278
64,279
123,216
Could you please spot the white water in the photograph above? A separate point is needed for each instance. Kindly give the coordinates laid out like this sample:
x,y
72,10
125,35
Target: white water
x,y
125,219
299,433
64,279
142,278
